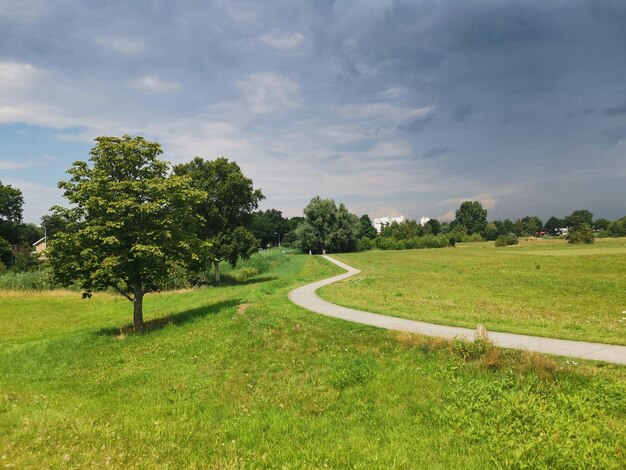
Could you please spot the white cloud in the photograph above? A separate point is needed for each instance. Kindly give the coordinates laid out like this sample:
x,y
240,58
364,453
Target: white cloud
x,y
123,45
392,93
14,165
155,84
284,41
18,75
488,201
25,10
269,92
384,111
447,217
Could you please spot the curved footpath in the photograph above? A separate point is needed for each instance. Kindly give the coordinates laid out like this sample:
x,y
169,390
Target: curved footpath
x,y
306,297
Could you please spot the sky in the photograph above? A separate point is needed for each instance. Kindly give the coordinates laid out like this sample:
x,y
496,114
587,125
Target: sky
x,y
394,108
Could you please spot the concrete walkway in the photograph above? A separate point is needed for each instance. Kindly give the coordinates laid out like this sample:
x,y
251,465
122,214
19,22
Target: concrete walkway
x,y
306,297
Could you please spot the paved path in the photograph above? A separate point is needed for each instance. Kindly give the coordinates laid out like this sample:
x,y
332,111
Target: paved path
x,y
306,297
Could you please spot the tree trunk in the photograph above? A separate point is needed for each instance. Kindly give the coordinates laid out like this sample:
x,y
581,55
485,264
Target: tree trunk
x,y
138,308
216,264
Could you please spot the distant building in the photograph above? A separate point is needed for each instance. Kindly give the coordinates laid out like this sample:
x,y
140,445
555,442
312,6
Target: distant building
x,y
378,223
40,247
424,220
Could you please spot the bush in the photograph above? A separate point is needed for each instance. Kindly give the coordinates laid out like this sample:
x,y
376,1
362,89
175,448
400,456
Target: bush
x,y
617,228
364,244
584,234
507,240
475,237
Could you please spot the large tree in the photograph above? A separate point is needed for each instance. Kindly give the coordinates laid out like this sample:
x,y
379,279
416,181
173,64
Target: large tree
x,y
227,209
327,227
127,223
472,216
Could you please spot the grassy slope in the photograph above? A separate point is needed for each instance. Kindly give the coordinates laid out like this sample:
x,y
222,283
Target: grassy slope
x,y
540,288
278,386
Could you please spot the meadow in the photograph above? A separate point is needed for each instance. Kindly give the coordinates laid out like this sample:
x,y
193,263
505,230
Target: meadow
x,y
237,377
539,287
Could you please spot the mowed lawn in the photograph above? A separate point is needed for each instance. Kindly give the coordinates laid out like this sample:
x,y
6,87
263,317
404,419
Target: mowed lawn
x,y
543,288
237,377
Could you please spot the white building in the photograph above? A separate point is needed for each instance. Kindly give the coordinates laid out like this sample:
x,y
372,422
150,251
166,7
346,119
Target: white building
x,y
378,223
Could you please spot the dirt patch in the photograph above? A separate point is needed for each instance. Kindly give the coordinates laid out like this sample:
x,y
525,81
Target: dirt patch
x,y
242,308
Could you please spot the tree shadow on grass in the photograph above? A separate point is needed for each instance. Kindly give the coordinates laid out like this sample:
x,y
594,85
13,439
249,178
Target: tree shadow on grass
x,y
179,318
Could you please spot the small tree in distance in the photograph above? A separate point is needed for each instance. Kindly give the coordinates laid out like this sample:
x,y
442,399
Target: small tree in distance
x,y
127,223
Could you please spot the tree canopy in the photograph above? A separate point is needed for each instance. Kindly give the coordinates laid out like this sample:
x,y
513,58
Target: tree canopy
x,y
472,216
128,222
578,218
226,209
11,202
327,227
268,226
367,229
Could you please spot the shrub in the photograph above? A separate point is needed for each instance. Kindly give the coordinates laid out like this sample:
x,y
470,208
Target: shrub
x,y
364,244
385,243
507,240
617,228
475,237
584,234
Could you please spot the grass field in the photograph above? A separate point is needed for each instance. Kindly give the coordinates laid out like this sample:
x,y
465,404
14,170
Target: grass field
x,y
544,288
237,377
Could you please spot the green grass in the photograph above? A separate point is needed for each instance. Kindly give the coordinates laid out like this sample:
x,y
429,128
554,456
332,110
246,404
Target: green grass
x,y
218,385
538,287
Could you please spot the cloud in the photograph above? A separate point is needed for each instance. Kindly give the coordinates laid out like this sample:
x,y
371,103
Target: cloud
x,y
384,111
18,75
615,136
155,85
615,110
284,41
14,165
393,92
310,98
435,152
123,45
269,92
463,112
418,125
487,200
447,216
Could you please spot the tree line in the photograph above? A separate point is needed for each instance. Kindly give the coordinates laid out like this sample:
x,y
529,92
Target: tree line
x,y
134,219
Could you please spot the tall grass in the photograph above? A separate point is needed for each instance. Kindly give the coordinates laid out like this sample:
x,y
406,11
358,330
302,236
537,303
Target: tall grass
x,y
40,279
